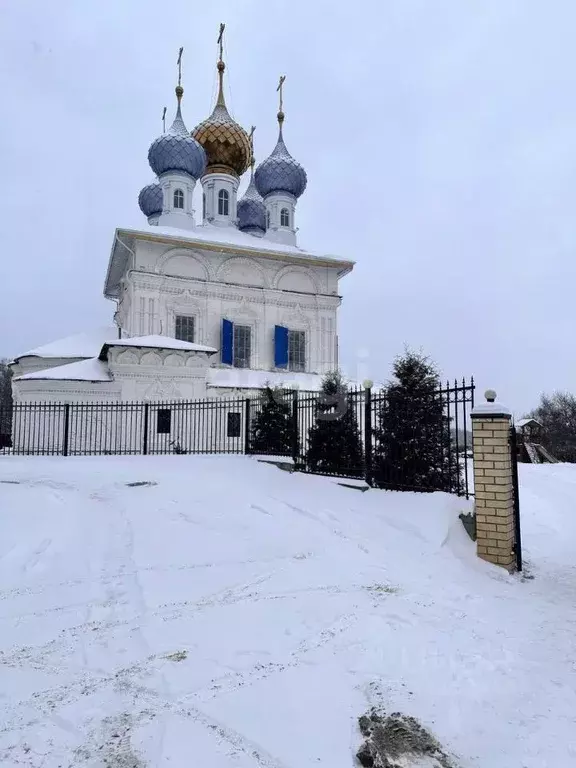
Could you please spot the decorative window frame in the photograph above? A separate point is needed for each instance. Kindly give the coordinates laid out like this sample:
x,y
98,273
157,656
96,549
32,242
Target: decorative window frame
x,y
243,315
188,308
298,321
306,345
188,316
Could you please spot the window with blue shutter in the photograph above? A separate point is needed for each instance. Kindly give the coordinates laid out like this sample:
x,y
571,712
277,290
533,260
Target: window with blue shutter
x,y
227,342
242,348
297,350
280,346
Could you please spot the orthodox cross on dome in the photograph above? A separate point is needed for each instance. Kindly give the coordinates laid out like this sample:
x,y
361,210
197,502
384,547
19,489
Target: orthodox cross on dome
x,y
164,120
221,67
179,62
179,89
220,40
279,90
251,138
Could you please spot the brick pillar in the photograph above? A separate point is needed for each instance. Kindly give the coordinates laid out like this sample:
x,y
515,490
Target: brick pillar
x,y
493,482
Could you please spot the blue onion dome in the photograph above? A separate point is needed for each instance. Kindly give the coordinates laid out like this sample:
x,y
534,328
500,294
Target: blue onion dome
x,y
151,199
251,208
280,172
176,150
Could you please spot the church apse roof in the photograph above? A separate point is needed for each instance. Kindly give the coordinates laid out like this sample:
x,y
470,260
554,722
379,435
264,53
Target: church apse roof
x,y
87,344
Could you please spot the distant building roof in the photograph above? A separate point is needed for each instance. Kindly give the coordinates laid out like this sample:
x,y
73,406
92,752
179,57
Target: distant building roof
x,y
523,422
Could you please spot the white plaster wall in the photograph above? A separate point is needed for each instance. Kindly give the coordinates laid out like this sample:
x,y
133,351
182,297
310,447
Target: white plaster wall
x,y
149,374
138,374
50,391
258,292
274,204
211,186
182,218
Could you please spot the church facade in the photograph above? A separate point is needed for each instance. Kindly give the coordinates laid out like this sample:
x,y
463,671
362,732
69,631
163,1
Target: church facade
x,y
204,308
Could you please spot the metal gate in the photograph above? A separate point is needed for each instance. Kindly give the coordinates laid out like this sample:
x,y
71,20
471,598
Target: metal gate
x,y
516,498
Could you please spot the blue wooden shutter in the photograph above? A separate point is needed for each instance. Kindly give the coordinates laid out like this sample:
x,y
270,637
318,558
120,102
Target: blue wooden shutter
x,y
280,346
227,342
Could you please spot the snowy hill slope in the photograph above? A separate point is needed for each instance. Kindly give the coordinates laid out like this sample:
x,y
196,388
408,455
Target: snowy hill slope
x,y
235,615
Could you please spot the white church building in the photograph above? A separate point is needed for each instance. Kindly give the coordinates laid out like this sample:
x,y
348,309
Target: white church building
x,y
204,308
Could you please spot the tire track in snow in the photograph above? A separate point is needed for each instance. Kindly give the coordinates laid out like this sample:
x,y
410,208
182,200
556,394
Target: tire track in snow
x,y
336,531
108,576
230,683
233,681
123,681
228,596
92,679
236,740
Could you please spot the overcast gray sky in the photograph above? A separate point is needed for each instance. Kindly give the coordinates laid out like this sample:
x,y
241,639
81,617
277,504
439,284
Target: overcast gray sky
x,y
439,137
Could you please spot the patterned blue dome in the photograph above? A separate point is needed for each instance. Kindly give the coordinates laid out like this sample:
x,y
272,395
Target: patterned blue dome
x,y
280,172
251,209
151,199
176,150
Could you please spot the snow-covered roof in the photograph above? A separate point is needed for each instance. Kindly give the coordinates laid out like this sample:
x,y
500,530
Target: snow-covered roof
x,y
92,369
246,378
208,235
523,422
87,344
156,342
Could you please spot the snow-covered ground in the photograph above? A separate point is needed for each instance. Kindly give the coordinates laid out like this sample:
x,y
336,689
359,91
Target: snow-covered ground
x,y
231,614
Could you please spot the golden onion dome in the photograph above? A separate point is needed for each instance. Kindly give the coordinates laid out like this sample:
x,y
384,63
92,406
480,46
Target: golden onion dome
x,y
226,143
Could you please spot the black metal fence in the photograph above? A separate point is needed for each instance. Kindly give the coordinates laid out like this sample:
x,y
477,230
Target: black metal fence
x,y
72,429
421,441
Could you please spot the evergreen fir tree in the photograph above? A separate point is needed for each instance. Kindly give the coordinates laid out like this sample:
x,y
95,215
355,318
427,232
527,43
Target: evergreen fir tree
x,y
412,439
334,442
272,431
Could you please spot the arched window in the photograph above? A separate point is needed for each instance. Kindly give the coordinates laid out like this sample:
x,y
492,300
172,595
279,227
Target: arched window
x,y
178,198
284,217
267,219
223,202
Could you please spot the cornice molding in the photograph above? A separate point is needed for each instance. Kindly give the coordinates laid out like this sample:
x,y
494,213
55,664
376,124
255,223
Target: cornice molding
x,y
238,250
270,296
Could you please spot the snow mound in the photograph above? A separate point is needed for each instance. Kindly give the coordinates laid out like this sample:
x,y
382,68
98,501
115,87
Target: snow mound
x,y
177,610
